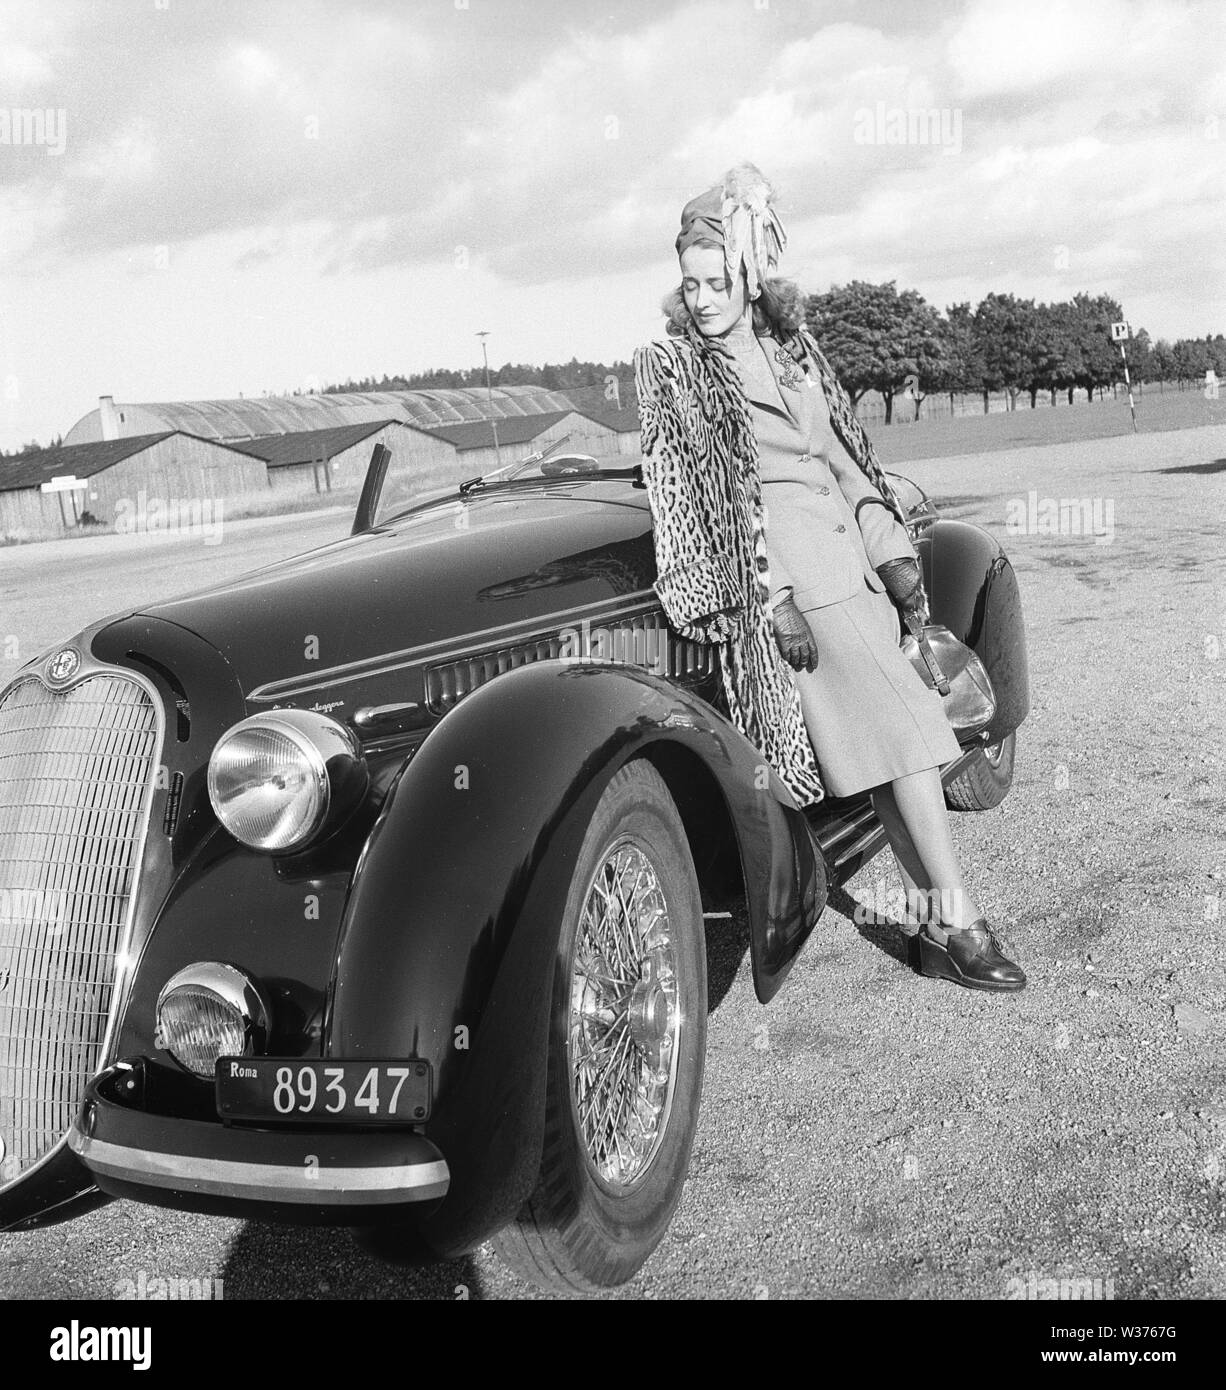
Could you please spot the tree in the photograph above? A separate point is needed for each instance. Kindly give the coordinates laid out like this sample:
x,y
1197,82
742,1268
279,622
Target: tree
x,y
32,446
1049,351
876,337
1163,361
1140,357
961,363
1192,359
1065,349
1005,330
1100,358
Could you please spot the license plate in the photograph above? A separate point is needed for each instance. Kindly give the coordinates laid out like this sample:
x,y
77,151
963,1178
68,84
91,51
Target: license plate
x,y
298,1089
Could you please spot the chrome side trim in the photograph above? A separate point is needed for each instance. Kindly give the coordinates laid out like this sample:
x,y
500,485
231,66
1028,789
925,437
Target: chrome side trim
x,y
623,607
273,1182
378,714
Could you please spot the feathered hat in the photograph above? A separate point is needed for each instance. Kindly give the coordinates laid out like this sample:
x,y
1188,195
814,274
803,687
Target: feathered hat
x,y
737,214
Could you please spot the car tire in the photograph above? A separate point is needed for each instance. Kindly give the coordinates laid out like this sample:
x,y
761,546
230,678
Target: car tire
x,y
599,1211
987,781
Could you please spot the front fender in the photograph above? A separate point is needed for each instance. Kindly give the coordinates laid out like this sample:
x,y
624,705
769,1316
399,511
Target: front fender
x,y
973,591
450,934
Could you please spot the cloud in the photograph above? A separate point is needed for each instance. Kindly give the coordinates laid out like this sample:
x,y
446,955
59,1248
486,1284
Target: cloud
x,y
541,143
419,132
21,67
998,48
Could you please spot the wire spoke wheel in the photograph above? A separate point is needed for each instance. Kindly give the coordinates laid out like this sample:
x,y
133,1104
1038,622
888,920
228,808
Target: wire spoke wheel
x,y
627,1040
625,1016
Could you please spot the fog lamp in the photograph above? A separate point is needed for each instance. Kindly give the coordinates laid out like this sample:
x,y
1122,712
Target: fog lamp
x,y
211,1010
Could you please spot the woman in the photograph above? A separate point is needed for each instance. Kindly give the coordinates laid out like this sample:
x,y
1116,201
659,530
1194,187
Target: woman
x,y
777,536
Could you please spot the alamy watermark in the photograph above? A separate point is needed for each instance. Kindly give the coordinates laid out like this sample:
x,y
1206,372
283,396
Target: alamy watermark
x,y
1033,515
645,646
914,125
1076,1287
46,906
887,902
22,125
76,1342
168,1288
174,516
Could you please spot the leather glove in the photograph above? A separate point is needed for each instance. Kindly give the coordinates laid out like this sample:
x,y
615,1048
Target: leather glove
x,y
794,636
903,583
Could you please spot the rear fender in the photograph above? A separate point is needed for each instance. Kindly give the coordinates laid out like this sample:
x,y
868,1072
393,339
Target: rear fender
x,y
450,934
973,591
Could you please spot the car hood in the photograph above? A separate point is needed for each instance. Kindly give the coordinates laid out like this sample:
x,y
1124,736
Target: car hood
x,y
441,575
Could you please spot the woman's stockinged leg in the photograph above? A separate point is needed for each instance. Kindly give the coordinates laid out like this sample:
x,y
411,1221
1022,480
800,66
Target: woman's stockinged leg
x,y
906,856
917,805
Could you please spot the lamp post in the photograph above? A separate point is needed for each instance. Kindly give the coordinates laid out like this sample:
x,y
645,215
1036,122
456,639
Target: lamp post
x,y
489,397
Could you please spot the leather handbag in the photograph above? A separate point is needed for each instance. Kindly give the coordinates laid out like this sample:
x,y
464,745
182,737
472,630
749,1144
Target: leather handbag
x,y
951,668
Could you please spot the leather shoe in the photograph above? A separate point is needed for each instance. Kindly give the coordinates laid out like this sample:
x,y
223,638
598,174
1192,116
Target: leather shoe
x,y
971,957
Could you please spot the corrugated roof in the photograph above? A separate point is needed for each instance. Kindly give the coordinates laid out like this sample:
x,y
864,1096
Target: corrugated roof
x,y
479,434
248,418
309,446
623,421
587,398
79,460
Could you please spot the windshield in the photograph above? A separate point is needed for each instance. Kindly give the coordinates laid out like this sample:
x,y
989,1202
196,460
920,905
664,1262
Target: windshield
x,y
407,485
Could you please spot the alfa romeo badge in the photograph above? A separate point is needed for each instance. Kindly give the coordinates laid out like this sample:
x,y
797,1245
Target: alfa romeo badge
x,y
63,665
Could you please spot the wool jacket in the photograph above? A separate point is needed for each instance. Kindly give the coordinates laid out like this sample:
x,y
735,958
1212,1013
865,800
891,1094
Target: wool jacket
x,y
700,465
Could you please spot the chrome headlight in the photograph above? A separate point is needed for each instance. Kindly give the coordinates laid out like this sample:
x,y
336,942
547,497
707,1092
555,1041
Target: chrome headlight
x,y
211,1010
277,779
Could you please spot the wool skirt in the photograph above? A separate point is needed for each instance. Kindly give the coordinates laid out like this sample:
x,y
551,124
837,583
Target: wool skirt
x,y
870,716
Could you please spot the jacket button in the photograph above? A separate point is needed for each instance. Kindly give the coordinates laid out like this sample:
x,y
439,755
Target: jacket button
x,y
840,527
804,458
825,491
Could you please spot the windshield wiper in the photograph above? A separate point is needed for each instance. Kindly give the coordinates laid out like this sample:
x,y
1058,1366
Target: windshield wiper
x,y
510,469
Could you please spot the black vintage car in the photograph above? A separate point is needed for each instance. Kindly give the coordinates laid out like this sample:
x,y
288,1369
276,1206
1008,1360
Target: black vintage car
x,y
368,888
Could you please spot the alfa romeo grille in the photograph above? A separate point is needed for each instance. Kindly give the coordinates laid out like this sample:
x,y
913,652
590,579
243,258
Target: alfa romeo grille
x,y
76,769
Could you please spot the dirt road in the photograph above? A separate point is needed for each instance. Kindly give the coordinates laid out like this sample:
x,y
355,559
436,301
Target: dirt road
x,y
872,1133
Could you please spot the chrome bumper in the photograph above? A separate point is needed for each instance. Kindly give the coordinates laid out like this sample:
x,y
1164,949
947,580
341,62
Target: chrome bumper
x,y
128,1151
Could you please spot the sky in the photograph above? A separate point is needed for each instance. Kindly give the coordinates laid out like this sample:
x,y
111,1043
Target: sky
x,y
201,198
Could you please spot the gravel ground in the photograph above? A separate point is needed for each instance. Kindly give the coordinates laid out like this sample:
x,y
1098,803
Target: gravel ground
x,y
873,1134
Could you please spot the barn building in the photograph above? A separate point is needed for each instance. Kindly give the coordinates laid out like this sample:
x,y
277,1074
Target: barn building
x,y
521,436
325,460
621,423
143,482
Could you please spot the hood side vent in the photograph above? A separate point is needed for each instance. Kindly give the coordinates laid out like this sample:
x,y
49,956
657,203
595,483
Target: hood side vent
x,y
174,797
644,640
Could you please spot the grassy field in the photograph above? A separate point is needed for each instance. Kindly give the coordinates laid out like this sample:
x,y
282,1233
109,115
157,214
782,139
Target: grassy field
x,y
978,434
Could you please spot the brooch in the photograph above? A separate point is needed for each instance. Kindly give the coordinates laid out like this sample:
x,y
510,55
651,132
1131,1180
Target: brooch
x,y
792,376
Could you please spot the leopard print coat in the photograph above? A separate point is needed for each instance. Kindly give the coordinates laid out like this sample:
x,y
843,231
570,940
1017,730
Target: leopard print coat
x,y
700,465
